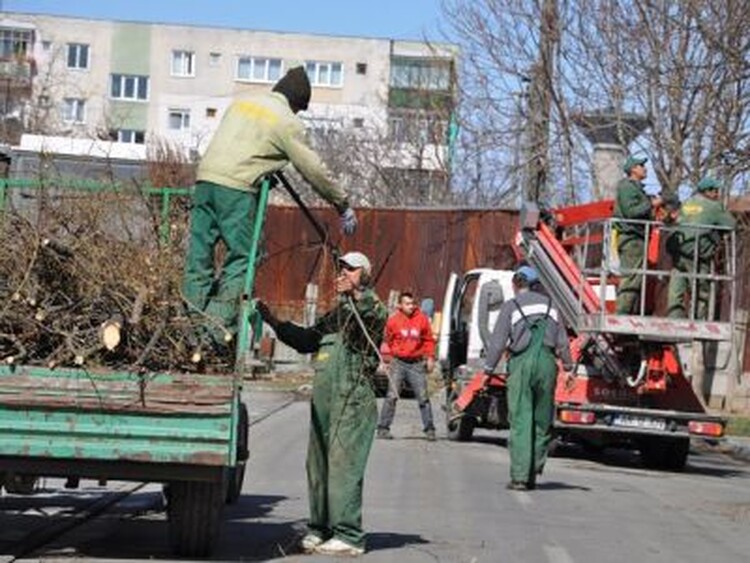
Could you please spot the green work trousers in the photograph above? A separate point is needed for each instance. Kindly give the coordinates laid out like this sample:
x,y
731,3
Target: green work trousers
x,y
531,387
680,288
631,252
343,420
226,214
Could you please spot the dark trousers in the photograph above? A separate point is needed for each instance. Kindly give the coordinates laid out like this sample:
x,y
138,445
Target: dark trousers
x,y
415,374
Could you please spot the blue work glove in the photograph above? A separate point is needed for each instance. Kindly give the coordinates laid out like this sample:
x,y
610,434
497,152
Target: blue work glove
x,y
348,221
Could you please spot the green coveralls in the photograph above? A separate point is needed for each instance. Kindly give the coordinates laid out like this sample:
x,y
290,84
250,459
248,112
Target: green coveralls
x,y
531,386
698,210
343,414
631,202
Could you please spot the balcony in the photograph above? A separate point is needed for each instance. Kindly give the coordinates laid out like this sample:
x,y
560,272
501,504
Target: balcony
x,y
17,73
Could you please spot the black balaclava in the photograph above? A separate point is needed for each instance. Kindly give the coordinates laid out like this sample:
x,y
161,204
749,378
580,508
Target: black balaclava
x,y
295,86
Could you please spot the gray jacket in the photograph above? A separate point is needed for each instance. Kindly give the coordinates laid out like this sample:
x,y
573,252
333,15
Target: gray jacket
x,y
512,325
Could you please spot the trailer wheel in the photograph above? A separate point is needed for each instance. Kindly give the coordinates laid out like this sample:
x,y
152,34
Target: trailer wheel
x,y
194,513
236,474
664,453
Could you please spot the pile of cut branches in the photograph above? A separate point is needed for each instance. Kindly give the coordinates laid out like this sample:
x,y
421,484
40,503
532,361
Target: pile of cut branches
x,y
89,280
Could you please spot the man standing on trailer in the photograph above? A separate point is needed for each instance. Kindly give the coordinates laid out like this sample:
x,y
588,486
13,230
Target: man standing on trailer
x,y
529,328
703,208
257,136
633,204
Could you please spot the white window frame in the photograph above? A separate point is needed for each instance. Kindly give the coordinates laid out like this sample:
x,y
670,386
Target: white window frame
x,y
183,115
124,80
320,73
182,63
129,136
214,59
74,110
255,63
79,49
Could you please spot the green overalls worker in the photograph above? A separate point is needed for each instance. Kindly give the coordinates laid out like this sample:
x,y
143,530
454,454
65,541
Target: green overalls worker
x,y
632,203
343,410
257,136
703,208
529,328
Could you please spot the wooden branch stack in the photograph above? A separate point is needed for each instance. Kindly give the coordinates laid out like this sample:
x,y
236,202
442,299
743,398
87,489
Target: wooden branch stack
x,y
86,283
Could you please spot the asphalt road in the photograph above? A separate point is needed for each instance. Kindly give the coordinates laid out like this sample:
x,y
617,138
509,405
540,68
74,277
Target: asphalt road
x,y
440,501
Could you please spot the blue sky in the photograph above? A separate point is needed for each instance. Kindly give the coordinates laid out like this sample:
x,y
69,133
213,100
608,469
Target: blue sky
x,y
395,19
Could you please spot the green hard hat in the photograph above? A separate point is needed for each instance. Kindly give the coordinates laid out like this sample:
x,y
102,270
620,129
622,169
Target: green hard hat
x,y
709,183
633,161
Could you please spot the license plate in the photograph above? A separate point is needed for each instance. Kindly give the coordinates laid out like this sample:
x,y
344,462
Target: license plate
x,y
644,422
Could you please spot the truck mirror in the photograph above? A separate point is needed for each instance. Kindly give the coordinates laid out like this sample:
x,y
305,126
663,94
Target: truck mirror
x,y
428,307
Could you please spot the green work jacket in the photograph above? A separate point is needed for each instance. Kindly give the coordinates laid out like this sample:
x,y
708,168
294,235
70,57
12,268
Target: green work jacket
x,y
701,210
632,202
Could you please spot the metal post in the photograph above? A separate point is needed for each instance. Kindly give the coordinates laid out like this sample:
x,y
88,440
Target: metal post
x,y
246,304
164,227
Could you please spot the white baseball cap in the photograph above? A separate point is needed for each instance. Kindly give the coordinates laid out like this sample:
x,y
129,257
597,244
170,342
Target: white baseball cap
x,y
356,260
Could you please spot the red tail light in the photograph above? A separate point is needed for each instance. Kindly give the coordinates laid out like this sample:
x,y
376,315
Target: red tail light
x,y
576,417
715,429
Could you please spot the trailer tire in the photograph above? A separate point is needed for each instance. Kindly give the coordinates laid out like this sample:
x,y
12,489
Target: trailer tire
x,y
669,454
194,512
236,474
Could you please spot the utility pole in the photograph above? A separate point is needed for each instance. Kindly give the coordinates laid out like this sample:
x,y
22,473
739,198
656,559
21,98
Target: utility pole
x,y
540,102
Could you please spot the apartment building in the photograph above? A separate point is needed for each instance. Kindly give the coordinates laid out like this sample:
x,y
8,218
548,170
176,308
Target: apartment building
x,y
375,102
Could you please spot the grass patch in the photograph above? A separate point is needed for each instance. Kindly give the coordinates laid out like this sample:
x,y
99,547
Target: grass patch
x,y
738,426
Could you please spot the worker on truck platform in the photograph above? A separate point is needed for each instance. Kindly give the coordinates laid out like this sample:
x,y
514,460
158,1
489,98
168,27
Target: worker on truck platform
x,y
343,412
703,208
257,136
530,329
634,204
408,334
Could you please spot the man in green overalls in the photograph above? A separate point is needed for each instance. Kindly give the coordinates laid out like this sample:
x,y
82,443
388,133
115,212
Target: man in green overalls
x,y
343,410
529,328
703,208
634,204
258,135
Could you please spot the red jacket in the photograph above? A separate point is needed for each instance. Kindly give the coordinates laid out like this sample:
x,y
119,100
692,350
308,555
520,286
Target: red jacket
x,y
410,338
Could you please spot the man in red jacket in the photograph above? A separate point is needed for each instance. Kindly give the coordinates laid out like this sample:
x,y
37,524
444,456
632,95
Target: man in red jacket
x,y
409,336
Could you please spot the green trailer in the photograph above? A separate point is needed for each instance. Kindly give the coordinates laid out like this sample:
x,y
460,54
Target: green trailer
x,y
186,430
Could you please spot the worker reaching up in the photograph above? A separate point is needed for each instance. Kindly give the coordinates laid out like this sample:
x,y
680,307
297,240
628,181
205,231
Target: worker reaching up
x,y
257,136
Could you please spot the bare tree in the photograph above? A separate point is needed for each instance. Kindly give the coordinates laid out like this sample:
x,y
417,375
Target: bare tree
x,y
683,64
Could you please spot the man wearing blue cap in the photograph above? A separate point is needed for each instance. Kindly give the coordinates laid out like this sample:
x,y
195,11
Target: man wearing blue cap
x,y
703,208
633,204
530,329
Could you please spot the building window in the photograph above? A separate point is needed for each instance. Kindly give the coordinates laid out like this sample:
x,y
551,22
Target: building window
x,y
358,122
256,69
417,128
78,56
214,59
14,43
325,73
74,110
46,45
183,63
179,119
420,74
128,136
129,87
361,68
211,112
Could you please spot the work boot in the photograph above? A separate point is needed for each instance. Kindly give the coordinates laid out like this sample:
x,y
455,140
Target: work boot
x,y
430,435
384,434
335,546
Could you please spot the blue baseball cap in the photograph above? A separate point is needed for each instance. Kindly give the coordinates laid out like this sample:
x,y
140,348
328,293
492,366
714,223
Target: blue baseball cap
x,y
528,273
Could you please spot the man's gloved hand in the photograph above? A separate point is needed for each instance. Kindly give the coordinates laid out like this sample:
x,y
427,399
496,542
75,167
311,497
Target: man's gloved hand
x,y
266,314
348,221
